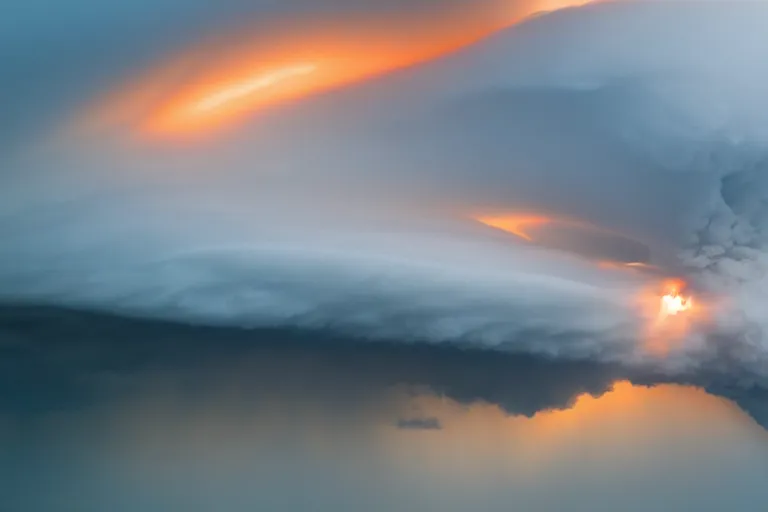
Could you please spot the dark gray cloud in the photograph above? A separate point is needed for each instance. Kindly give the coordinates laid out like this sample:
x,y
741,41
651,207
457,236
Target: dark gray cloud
x,y
56,360
110,407
419,424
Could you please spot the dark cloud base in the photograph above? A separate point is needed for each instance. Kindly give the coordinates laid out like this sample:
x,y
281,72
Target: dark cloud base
x,y
54,359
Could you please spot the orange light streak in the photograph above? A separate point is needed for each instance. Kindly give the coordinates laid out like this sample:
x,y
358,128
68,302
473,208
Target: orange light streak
x,y
518,225
242,89
217,82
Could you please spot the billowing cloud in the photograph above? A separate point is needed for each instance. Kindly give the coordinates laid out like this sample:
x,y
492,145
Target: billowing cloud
x,y
55,359
356,210
89,358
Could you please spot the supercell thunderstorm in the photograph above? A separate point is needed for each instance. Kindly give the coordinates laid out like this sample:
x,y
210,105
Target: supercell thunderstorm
x,y
322,214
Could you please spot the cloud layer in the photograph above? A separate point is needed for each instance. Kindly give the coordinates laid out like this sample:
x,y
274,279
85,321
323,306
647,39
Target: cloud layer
x,y
353,211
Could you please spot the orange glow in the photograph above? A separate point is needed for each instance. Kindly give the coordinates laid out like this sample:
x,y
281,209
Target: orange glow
x,y
311,60
556,5
220,81
673,302
250,86
671,314
477,436
523,226
518,225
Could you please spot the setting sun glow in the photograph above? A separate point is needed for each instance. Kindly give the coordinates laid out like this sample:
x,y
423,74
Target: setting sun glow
x,y
671,315
674,302
253,85
221,80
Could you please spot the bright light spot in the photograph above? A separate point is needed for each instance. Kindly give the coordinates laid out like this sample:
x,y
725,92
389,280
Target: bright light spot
x,y
673,302
671,316
252,85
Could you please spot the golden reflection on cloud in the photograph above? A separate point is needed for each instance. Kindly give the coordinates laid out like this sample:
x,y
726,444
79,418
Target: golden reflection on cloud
x,y
616,429
219,81
525,224
250,86
532,227
519,225
671,315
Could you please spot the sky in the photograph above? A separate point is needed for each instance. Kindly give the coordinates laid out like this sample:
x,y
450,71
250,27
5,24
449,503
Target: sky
x,y
328,166
120,414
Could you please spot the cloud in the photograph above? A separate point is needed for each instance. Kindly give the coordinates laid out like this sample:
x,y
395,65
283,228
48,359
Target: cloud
x,y
419,424
64,360
60,58
90,358
352,211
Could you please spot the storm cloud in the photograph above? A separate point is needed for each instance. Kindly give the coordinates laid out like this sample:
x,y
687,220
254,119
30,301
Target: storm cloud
x,y
353,210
